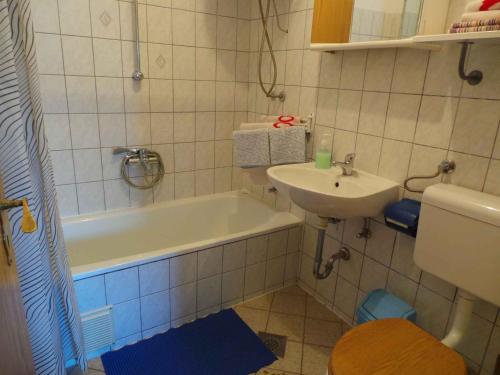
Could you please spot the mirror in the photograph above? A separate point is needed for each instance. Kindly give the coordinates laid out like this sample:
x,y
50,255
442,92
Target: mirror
x,y
384,19
343,21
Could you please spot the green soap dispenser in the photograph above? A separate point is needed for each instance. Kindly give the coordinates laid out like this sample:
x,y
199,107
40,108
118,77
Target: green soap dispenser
x,y
323,158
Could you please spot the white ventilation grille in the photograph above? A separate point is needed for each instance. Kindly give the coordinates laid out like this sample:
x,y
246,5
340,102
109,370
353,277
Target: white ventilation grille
x,y
98,330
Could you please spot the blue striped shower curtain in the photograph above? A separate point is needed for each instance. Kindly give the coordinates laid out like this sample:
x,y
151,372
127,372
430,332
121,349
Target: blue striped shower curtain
x,y
25,171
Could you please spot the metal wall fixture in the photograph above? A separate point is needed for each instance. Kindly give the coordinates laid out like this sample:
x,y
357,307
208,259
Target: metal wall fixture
x,y
150,161
473,78
445,167
137,75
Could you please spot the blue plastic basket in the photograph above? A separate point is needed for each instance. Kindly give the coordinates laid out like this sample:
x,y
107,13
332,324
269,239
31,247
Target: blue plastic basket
x,y
380,304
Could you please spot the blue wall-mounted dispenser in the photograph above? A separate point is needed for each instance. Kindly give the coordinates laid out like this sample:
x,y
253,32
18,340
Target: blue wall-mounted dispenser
x,y
380,304
403,216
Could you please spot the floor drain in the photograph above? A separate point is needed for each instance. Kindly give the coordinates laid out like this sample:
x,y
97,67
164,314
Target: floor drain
x,y
275,343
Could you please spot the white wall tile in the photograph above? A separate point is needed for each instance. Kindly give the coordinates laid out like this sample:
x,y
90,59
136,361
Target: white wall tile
x,y
183,26
204,180
204,155
232,285
414,61
345,297
159,25
49,54
154,277
184,185
122,285
127,318
184,157
373,276
155,309
234,256
433,311
379,69
66,200
349,103
209,292
45,16
116,194
402,117
402,287
138,129
209,262
57,131
275,272
78,56
183,269
373,113
183,300
255,277
74,17
110,97
475,127
206,30
53,94
84,130
107,57
81,94
351,270
88,165
277,244
353,69
90,293
112,130
62,163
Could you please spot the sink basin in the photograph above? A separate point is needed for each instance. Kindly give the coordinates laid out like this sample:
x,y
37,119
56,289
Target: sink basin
x,y
327,193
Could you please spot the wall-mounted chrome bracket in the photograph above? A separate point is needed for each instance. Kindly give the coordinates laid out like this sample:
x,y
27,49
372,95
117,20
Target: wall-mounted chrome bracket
x,y
473,78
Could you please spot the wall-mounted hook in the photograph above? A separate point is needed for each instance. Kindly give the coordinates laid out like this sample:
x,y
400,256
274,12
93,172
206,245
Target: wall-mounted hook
x,y
473,78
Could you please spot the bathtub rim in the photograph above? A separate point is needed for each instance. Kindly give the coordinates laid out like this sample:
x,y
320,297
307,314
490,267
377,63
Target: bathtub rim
x,y
280,221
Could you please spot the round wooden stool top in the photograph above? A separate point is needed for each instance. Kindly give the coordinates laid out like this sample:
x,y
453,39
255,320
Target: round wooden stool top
x,y
393,346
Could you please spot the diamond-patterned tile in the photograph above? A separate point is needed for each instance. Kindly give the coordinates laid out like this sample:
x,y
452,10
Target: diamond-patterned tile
x,y
160,61
105,18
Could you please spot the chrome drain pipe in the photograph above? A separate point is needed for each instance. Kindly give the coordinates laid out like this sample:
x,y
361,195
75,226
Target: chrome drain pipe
x,y
343,253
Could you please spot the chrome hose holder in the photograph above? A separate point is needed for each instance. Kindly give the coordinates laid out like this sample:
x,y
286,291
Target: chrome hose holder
x,y
150,161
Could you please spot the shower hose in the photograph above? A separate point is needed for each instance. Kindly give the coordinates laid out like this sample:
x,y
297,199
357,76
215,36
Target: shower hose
x,y
147,169
266,39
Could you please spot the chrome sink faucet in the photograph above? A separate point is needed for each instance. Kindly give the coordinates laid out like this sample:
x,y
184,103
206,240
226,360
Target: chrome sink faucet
x,y
347,165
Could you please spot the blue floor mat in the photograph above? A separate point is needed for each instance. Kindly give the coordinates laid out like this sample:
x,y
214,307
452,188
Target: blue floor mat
x,y
220,344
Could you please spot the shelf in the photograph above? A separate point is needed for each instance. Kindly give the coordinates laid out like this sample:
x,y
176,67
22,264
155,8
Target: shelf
x,y
476,37
397,43
428,42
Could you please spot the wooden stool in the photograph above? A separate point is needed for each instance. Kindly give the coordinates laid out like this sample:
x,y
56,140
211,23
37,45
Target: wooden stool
x,y
393,346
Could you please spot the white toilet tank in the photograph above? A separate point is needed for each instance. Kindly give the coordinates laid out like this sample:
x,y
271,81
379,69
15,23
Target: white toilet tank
x,y
458,239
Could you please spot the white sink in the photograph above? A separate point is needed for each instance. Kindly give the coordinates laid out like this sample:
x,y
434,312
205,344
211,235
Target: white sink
x,y
327,193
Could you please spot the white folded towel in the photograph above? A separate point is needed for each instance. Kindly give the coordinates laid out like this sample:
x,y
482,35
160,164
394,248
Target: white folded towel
x,y
474,6
288,145
251,148
479,16
255,125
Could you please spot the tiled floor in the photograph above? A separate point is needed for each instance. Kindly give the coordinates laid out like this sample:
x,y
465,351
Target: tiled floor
x,y
312,330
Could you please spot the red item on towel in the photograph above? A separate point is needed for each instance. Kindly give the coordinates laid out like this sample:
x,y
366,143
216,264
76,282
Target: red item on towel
x,y
487,4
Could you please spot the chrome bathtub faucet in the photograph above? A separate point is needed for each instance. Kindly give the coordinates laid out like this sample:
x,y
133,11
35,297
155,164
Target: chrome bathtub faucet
x,y
347,165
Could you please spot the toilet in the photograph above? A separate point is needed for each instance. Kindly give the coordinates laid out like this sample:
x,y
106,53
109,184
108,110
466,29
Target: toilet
x,y
454,224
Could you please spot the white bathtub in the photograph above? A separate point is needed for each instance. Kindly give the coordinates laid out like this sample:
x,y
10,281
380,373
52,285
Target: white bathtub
x,y
119,239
